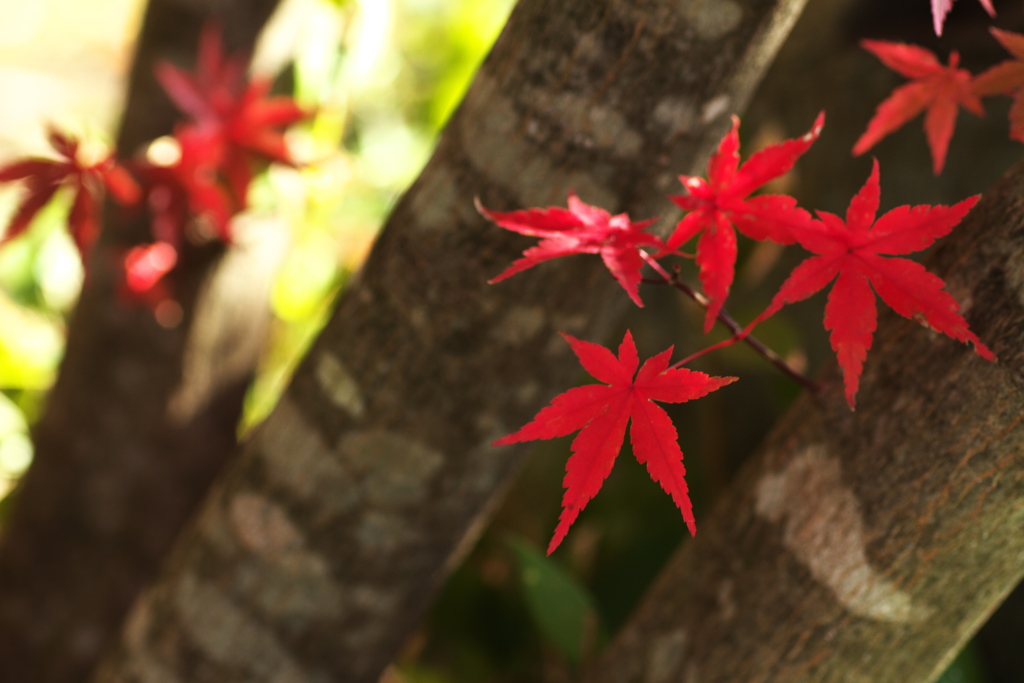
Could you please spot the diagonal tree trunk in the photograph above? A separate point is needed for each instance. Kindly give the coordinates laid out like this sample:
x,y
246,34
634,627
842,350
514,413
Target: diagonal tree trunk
x,y
321,548
141,418
867,545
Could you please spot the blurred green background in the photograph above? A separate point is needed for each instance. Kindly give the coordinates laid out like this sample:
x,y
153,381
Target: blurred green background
x,y
384,76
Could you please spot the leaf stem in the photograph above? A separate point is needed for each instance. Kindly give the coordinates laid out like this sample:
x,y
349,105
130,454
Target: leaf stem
x,y
738,333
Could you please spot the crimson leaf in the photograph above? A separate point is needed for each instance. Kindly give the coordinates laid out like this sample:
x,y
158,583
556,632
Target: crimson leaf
x,y
851,253
941,90
87,180
601,412
580,229
218,98
720,203
1007,78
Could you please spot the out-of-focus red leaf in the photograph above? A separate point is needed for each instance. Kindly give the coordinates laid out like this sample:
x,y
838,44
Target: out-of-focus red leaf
x,y
220,100
147,264
1007,78
86,180
189,188
938,90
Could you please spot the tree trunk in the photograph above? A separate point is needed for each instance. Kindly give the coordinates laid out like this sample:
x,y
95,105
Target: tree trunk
x,y
867,545
316,555
141,418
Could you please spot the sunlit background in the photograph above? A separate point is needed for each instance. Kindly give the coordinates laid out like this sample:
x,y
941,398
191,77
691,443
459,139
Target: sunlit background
x,y
65,63
383,75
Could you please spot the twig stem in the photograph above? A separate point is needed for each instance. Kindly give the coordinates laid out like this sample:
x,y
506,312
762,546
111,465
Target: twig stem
x,y
738,333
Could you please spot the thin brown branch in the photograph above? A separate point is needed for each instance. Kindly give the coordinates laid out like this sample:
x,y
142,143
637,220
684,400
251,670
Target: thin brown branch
x,y
738,333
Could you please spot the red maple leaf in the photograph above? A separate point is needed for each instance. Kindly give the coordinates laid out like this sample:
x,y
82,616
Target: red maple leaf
x,y
601,412
719,204
941,90
189,187
851,253
218,98
580,229
1007,78
940,8
86,179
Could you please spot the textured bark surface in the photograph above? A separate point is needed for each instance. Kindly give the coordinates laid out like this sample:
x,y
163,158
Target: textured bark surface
x,y
867,545
141,418
317,554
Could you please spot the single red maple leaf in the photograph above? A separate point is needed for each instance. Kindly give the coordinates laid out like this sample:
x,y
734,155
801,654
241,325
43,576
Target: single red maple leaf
x,y
580,229
941,90
601,412
218,97
851,253
86,179
1006,78
719,204
940,8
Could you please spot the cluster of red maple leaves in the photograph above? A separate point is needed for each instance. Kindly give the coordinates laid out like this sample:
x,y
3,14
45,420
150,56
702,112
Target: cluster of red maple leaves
x,y
860,254
233,128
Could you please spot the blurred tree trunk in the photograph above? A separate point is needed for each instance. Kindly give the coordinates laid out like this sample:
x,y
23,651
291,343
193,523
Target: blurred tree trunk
x,y
315,556
867,545
141,418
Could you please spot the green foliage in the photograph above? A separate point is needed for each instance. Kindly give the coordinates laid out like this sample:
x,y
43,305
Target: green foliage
x,y
562,609
383,75
39,279
965,668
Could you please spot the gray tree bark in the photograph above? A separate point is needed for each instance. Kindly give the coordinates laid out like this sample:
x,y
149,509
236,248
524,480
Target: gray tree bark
x,y
141,418
867,545
321,548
